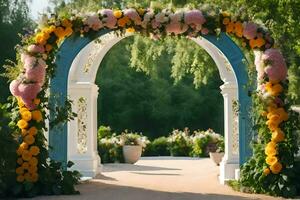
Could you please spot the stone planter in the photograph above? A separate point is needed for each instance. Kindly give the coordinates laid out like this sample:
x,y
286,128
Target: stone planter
x,y
132,153
216,157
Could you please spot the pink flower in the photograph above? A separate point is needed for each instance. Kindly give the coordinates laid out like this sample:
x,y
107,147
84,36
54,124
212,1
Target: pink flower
x,y
155,24
14,88
259,65
29,91
29,104
250,30
275,65
36,49
147,18
93,22
204,31
36,74
28,61
195,18
109,19
175,25
133,15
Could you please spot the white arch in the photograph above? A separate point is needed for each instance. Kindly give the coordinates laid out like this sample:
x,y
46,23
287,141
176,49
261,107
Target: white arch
x,y
82,132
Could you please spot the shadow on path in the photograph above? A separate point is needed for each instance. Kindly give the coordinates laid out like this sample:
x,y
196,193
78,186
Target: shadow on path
x,y
130,167
96,190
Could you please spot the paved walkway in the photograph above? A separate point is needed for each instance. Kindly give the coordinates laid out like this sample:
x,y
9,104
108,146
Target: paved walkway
x,y
159,178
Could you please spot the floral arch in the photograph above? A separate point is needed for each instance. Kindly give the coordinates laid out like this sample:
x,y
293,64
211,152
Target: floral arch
x,y
44,63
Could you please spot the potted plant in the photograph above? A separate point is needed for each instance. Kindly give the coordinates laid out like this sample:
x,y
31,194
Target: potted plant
x,y
215,147
133,145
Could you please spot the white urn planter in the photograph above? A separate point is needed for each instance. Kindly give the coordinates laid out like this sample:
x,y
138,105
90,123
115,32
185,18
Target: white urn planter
x,y
132,153
216,157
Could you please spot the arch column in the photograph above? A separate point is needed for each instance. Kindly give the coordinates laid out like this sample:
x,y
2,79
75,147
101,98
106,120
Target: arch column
x,y
82,134
230,161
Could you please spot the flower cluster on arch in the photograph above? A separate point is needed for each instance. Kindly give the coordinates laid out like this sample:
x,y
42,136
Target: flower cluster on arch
x,y
41,45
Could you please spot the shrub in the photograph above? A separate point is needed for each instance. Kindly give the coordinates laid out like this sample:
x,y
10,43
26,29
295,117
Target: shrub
x,y
180,144
104,131
110,149
205,142
158,147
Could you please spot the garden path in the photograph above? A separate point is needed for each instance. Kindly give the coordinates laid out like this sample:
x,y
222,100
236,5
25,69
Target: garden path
x,y
159,178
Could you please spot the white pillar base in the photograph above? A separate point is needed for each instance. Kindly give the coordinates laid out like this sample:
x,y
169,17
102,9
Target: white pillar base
x,y
87,166
237,174
227,171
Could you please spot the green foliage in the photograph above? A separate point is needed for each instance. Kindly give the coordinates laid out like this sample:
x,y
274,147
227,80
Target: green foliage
x,y
110,149
104,131
8,155
158,147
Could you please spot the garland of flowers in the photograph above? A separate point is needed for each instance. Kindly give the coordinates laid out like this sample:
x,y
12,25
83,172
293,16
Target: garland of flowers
x,y
38,48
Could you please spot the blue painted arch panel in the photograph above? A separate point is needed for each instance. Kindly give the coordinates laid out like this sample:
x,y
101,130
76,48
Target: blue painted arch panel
x,y
74,44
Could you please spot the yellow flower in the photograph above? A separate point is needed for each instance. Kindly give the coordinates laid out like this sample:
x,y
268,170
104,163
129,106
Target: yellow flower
x,y
20,178
271,144
34,150
33,161
32,131
22,124
29,139
130,30
23,110
26,155
20,170
20,161
270,151
26,115
270,160
278,135
225,14
41,38
276,167
118,13
37,115
141,11
266,171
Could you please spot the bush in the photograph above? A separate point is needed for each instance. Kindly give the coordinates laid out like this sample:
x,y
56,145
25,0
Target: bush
x,y
8,154
158,147
180,143
104,131
110,150
205,142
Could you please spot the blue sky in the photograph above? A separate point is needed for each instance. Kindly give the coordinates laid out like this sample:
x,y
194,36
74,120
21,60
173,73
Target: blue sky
x,y
38,6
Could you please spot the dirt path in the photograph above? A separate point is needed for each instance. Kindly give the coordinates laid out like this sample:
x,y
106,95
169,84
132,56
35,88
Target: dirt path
x,y
159,178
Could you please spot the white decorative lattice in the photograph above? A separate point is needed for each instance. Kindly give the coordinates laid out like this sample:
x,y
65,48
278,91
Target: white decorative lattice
x,y
235,128
82,125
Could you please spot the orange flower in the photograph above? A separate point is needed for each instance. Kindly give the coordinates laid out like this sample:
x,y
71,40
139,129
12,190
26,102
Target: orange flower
x,y
59,32
278,135
226,21
20,161
29,139
27,177
24,132
252,43
66,23
22,124
20,178
266,171
25,165
238,29
276,167
32,131
35,177
26,155
37,101
260,42
32,169
33,161
271,160
37,115
20,170
34,150
230,27
48,48
68,31
123,21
